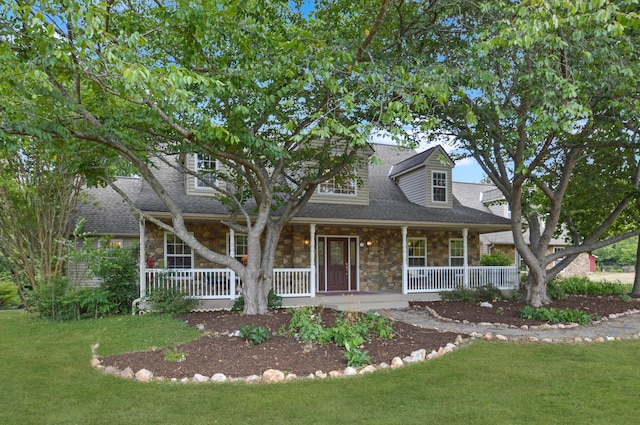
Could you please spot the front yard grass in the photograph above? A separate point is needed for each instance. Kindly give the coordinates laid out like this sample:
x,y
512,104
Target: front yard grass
x,y
45,378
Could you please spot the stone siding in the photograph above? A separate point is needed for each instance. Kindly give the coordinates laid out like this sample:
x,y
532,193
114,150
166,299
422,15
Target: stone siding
x,y
380,263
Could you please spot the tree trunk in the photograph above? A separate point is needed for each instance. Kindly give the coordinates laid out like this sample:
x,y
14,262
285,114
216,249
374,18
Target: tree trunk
x,y
255,291
635,291
536,288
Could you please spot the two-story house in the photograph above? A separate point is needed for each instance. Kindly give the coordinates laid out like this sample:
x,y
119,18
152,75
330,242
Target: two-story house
x,y
400,230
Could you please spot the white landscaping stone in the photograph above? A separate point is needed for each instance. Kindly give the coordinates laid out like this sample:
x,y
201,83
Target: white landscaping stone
x,y
273,375
350,371
200,378
396,363
335,374
219,377
320,374
127,373
290,377
144,375
501,337
486,304
368,369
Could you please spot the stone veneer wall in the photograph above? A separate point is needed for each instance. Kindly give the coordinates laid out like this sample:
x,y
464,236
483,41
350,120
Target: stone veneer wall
x,y
380,263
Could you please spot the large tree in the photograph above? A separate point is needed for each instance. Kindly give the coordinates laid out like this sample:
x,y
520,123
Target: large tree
x,y
269,91
531,86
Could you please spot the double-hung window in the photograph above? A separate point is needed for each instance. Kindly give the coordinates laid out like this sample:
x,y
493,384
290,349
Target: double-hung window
x,y
178,255
241,246
205,167
456,252
417,252
439,186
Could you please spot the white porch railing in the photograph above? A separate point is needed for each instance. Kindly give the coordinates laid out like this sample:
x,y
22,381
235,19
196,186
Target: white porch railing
x,y
211,284
436,279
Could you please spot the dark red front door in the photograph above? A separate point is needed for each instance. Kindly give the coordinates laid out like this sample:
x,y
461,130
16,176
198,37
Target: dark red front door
x,y
337,256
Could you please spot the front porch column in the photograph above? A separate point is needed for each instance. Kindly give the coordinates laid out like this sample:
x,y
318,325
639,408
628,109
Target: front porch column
x,y
143,258
465,264
404,261
312,259
232,243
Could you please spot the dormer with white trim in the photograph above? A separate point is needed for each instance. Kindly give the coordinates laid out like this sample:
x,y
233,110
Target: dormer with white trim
x,y
425,178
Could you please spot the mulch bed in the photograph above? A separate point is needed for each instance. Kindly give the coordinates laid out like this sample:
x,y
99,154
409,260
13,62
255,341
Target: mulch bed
x,y
217,352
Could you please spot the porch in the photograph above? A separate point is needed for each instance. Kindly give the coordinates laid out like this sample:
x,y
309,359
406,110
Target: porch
x,y
218,288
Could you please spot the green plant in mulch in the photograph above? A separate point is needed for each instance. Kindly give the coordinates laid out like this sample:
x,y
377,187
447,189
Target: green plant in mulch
x,y
350,331
171,301
556,315
560,288
255,334
173,355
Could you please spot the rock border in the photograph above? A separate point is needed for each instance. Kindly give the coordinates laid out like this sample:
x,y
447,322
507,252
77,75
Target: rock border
x,y
544,326
274,375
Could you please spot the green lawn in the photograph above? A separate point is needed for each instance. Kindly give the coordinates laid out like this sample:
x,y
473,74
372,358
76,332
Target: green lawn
x,y
45,378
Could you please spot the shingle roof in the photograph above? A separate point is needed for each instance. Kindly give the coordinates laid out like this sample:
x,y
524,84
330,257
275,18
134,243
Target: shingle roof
x,y
413,161
387,203
105,211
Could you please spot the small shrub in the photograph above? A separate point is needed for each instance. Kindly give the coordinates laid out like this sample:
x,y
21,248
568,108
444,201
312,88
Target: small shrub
x,y
626,298
274,301
498,258
355,356
480,294
8,293
577,285
117,269
171,301
555,315
255,334
555,290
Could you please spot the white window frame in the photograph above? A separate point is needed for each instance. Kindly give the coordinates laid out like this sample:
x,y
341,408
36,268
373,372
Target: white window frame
x,y
329,187
213,164
411,255
115,243
176,242
241,245
451,248
444,187
557,249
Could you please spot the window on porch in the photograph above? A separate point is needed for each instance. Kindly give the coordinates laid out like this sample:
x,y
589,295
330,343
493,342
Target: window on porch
x,y
417,252
241,246
456,252
178,255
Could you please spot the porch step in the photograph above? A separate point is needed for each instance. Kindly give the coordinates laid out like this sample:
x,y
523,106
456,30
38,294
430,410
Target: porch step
x,y
364,302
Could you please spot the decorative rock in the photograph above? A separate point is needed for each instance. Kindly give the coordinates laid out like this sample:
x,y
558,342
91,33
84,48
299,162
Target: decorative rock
x,y
610,338
335,374
486,304
200,326
420,354
184,380
252,378
351,371
502,338
459,340
311,376
588,340
411,359
144,375
94,348
396,363
368,369
488,336
599,339
127,373
449,347
200,378
485,324
432,354
534,339
441,351
547,340
578,340
111,370
320,374
272,375
95,362
219,377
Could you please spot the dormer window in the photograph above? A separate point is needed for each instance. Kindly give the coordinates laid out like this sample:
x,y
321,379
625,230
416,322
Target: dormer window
x,y
338,186
439,186
205,166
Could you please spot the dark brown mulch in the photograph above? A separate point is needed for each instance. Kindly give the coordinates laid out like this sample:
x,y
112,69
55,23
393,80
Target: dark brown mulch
x,y
507,311
216,352
233,356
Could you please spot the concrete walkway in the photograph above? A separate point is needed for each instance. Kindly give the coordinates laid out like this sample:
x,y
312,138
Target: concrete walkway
x,y
626,326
